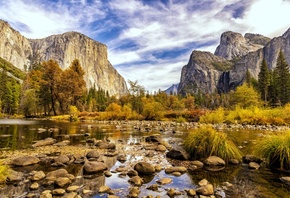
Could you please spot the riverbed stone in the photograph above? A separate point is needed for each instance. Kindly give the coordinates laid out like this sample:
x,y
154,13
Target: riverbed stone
x,y
58,192
191,192
136,181
121,158
134,192
234,161
205,190
94,167
285,180
57,173
107,173
73,188
71,195
214,161
164,181
63,181
64,159
62,143
132,173
197,163
104,189
45,142
254,165
144,168
161,148
173,169
203,182
93,154
14,176
153,187
25,161
34,186
37,175
177,154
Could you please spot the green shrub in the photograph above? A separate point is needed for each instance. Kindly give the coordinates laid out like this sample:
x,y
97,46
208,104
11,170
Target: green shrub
x,y
205,141
180,119
275,148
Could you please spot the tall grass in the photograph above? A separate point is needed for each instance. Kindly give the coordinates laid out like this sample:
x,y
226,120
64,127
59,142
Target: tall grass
x,y
275,148
205,141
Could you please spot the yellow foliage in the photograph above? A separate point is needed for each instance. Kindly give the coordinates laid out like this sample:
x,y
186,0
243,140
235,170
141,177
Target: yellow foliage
x,y
214,117
3,173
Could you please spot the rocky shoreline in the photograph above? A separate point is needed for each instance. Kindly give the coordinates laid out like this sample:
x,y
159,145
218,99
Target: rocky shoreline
x,y
145,169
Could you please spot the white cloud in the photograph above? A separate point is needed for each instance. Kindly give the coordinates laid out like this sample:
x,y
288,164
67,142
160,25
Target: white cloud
x,y
151,27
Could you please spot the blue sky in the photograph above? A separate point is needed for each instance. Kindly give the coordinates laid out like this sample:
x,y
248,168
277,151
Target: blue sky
x,y
148,40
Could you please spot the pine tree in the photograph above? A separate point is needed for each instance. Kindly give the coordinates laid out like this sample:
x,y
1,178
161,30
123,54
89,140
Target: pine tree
x,y
282,79
264,80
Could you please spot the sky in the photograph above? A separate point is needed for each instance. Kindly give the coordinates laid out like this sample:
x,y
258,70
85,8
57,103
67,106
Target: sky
x,y
149,40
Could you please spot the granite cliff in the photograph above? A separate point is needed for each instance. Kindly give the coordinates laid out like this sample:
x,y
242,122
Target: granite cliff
x,y
64,48
234,56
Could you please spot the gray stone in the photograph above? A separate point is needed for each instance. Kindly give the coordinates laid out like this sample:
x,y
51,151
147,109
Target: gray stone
x,y
93,154
177,154
104,189
206,190
63,181
38,175
173,169
64,159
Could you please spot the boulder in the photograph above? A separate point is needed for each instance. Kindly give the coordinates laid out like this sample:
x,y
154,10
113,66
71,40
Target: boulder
x,y
205,190
161,148
14,176
254,165
57,173
45,142
72,188
34,186
94,167
173,169
134,192
164,181
144,168
104,189
122,158
58,192
132,173
177,154
37,175
153,187
64,159
63,181
214,161
136,181
93,154
197,163
285,180
25,161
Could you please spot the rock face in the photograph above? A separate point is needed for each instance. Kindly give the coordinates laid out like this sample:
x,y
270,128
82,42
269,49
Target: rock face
x,y
227,69
234,45
64,48
14,47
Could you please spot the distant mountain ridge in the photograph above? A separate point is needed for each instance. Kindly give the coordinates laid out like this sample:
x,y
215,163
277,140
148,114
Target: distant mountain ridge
x,y
173,89
63,48
226,69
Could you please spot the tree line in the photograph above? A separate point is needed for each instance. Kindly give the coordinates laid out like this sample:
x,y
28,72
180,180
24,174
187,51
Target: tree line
x,y
49,90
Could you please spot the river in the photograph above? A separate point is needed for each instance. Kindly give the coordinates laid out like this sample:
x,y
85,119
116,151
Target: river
x,y
17,134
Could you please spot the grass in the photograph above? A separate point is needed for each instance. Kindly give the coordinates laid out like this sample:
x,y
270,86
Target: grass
x,y
275,148
206,141
3,173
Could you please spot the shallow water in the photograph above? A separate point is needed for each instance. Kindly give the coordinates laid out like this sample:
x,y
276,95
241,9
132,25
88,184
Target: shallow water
x,y
18,134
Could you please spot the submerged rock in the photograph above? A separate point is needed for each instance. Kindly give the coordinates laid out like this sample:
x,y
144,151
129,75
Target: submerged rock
x,y
164,181
285,180
254,165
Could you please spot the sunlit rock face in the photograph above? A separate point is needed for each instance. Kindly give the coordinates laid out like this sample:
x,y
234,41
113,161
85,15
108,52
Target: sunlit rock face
x,y
233,45
64,48
227,69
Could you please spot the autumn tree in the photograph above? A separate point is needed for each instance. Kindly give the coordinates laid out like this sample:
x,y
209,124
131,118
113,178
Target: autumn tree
x,y
264,80
49,86
245,96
